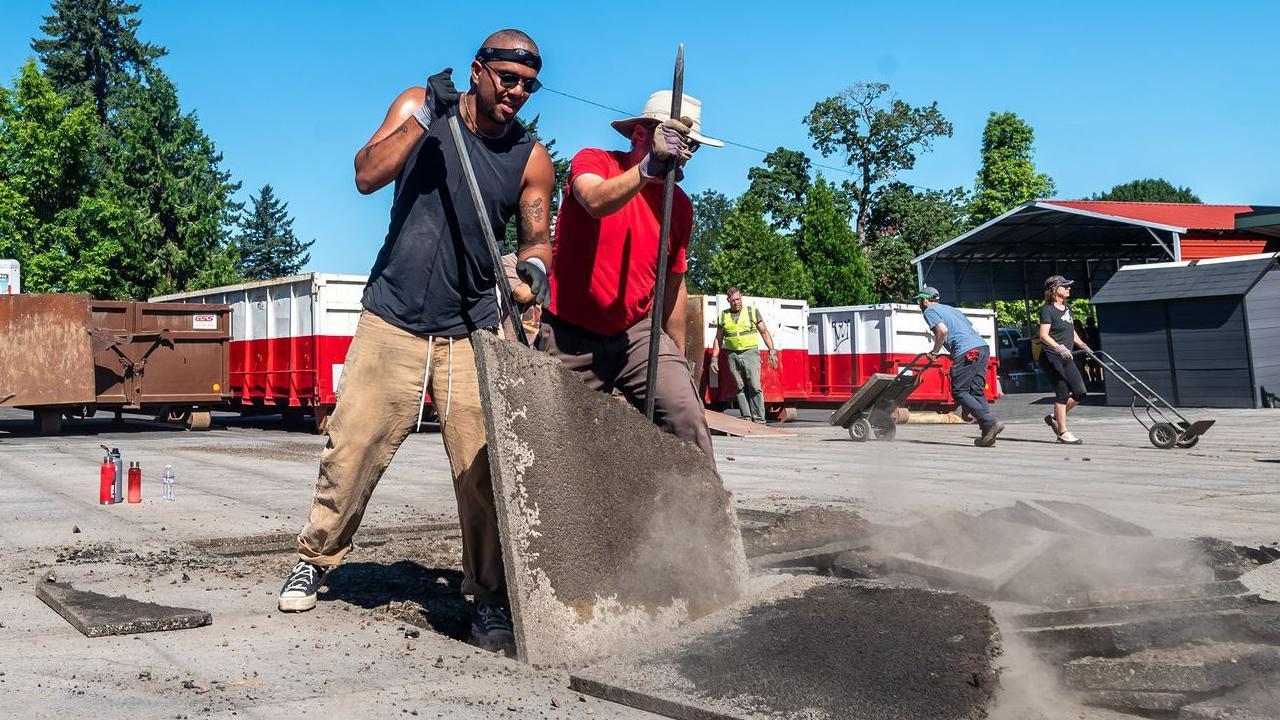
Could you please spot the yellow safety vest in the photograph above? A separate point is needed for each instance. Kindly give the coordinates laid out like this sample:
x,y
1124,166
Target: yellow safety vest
x,y
740,334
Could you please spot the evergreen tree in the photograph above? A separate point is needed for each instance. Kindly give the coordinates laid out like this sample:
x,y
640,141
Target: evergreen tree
x,y
755,257
266,244
53,219
1008,176
168,173
91,49
1149,190
828,250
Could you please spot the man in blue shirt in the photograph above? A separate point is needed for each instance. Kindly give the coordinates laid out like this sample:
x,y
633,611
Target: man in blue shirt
x,y
969,358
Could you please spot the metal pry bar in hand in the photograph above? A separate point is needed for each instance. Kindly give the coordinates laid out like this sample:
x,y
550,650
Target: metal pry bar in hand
x,y
664,242
506,298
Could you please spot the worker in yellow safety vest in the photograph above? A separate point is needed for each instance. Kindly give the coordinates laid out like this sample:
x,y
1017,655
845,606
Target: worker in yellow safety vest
x,y
739,332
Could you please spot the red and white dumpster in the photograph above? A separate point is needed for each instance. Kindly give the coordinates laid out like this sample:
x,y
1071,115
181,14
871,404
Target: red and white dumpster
x,y
289,339
849,344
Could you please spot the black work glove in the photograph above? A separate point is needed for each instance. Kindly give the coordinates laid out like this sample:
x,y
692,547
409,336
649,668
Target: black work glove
x,y
534,274
441,95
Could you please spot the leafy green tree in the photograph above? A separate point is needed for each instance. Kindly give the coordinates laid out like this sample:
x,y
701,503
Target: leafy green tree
x,y
266,244
829,252
781,185
1008,176
710,210
755,257
906,223
876,134
1149,190
91,49
169,174
53,220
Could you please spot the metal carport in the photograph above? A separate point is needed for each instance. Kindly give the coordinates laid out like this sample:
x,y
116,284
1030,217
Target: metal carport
x,y
1008,257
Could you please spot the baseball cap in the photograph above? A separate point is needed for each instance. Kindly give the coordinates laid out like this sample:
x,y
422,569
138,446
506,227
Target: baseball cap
x,y
1057,281
927,293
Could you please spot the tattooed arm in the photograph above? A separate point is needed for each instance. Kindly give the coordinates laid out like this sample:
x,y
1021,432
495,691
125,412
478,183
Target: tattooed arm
x,y
380,160
534,225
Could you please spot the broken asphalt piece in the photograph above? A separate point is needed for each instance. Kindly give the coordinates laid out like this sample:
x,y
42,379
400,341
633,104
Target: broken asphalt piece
x,y
815,648
1188,669
612,530
98,615
806,528
1150,593
1256,701
1129,700
1135,611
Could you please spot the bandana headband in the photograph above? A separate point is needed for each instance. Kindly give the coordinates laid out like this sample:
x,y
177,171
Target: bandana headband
x,y
527,58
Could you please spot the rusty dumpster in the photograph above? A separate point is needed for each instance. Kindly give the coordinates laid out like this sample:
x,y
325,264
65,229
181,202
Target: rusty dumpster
x,y
71,356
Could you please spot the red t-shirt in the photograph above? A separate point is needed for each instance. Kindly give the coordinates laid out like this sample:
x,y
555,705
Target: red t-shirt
x,y
603,271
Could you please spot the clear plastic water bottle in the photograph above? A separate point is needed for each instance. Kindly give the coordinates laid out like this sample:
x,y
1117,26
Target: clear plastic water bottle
x,y
168,479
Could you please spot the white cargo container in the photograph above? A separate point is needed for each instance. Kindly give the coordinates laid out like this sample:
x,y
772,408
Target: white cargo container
x,y
10,277
289,337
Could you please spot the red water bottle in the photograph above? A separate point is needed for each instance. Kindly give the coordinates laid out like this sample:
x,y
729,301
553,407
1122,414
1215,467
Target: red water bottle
x,y
135,482
106,481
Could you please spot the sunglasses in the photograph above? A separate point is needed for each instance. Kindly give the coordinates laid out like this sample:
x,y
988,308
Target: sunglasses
x,y
508,81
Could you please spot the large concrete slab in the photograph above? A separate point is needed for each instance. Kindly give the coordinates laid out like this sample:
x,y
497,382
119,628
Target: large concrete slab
x,y
1259,700
959,551
1066,517
818,649
612,530
98,615
1149,593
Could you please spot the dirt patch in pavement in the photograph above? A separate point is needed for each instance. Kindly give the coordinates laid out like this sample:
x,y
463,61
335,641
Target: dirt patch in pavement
x,y
805,528
287,451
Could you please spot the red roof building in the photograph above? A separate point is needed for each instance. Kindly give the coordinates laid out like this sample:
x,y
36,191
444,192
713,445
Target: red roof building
x,y
1211,229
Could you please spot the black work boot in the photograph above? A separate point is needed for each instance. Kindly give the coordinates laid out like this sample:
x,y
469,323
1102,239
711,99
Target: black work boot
x,y
491,628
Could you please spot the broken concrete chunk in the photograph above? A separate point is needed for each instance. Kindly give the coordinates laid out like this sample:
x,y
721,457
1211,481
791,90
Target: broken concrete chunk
x,y
1066,517
98,615
612,530
816,648
1187,669
1265,581
1135,611
1259,700
1151,593
1135,700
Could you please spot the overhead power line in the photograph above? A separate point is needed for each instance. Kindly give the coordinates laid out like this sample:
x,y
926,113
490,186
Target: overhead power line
x,y
624,113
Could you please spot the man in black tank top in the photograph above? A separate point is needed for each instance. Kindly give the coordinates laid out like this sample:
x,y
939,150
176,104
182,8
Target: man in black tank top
x,y
432,284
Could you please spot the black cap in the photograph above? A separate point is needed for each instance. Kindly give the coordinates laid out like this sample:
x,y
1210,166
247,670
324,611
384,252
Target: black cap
x,y
1056,281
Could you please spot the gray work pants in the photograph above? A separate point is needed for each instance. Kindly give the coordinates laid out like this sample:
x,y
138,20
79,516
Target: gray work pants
x,y
744,366
621,361
969,386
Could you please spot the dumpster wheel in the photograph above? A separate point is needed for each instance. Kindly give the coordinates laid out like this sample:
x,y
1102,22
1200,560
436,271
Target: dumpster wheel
x,y
197,419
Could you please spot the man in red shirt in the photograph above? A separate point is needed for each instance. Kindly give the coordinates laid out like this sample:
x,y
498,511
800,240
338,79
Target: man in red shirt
x,y
605,268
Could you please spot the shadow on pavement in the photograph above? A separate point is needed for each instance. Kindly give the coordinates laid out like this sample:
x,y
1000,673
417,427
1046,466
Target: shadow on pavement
x,y
436,593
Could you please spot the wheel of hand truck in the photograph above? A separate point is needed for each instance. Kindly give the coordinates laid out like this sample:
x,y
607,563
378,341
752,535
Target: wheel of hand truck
x,y
779,413
1188,442
888,432
1163,435
198,420
860,430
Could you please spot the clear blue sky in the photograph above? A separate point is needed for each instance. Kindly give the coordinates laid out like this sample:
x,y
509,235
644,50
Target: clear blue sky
x,y
1115,90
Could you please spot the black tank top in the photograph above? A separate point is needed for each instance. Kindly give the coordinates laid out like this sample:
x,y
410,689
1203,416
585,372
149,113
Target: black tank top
x,y
433,275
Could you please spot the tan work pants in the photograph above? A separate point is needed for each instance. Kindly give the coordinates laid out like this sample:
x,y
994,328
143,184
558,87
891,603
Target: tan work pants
x,y
379,399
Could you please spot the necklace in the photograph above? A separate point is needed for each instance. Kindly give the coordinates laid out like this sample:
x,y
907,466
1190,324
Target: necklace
x,y
476,125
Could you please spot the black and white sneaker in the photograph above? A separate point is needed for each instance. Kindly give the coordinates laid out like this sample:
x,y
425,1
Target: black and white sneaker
x,y
491,629
299,591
